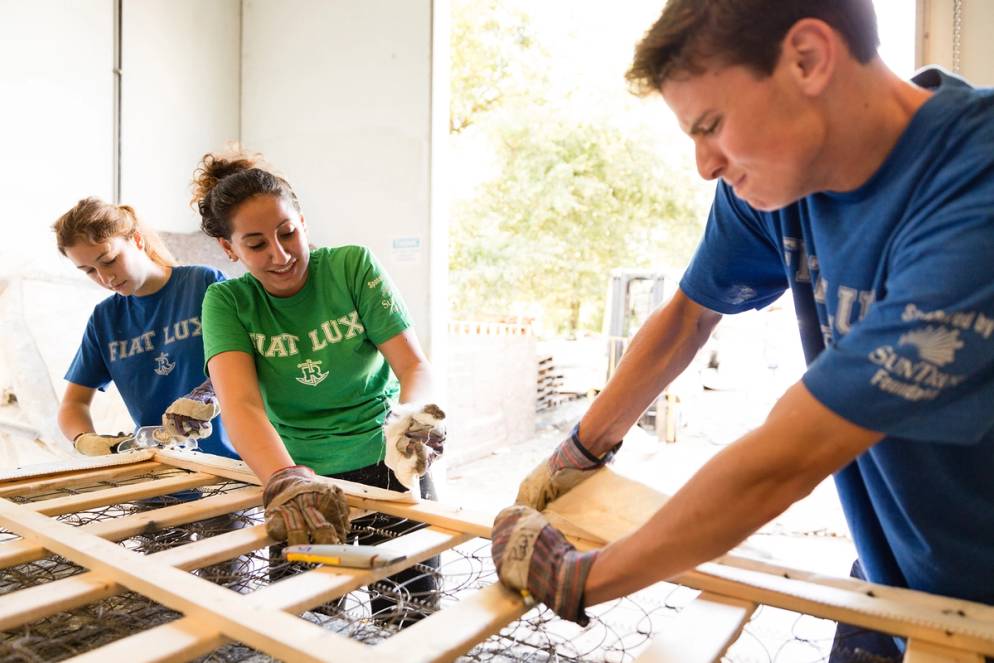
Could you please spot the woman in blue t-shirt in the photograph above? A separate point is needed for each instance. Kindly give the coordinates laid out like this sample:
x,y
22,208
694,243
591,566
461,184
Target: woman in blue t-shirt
x,y
146,337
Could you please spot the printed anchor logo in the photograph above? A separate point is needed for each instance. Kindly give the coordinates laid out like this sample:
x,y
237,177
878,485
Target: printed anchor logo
x,y
935,344
162,364
312,373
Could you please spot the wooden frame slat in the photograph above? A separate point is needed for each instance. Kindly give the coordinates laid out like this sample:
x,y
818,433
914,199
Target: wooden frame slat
x,y
936,626
121,494
272,631
182,640
40,601
21,551
449,633
33,486
704,630
927,652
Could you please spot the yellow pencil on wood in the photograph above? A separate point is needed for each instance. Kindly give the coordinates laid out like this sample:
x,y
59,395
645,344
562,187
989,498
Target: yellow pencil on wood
x,y
359,557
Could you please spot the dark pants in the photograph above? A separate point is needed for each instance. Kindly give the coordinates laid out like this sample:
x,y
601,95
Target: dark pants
x,y
855,644
415,585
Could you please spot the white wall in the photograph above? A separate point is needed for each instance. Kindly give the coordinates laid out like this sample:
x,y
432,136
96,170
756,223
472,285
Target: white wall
x,y
56,114
180,99
337,96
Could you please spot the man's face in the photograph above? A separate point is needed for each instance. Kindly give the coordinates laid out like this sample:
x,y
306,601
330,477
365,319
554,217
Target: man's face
x,y
760,135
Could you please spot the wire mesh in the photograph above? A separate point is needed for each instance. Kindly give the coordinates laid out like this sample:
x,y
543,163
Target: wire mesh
x,y
618,630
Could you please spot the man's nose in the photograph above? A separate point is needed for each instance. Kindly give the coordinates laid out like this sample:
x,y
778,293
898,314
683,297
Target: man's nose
x,y
710,162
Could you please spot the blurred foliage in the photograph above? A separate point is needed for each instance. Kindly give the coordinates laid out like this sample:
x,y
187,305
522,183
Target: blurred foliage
x,y
495,58
565,200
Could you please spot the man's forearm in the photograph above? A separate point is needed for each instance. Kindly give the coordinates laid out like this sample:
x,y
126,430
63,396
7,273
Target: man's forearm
x,y
659,352
746,485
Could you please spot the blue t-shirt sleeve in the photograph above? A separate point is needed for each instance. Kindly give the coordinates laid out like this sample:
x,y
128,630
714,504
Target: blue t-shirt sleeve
x,y
738,265
88,367
920,365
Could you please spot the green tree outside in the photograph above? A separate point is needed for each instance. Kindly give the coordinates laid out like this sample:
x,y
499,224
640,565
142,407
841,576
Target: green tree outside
x,y
567,198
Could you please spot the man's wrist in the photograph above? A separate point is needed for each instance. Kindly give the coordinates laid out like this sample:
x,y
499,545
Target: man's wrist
x,y
598,454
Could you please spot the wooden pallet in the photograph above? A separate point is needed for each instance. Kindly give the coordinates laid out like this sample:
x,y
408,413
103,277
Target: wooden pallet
x,y
938,628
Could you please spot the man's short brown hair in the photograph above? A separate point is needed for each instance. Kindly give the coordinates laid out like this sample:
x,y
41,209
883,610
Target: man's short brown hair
x,y
692,33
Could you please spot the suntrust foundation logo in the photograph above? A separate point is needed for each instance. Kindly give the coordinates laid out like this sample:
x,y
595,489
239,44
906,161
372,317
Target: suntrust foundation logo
x,y
934,344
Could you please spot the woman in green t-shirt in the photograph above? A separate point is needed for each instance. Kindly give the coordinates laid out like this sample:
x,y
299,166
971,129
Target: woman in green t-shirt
x,y
302,351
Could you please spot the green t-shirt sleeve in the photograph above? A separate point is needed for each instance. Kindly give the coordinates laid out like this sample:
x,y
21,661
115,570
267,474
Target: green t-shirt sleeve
x,y
380,306
223,330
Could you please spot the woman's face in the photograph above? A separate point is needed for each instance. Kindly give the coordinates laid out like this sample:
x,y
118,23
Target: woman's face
x,y
118,263
268,235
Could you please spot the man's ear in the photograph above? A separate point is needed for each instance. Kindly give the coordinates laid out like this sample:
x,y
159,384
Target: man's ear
x,y
810,51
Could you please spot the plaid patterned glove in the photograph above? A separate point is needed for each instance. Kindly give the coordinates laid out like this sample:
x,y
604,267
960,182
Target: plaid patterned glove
x,y
190,415
301,510
569,465
92,444
531,555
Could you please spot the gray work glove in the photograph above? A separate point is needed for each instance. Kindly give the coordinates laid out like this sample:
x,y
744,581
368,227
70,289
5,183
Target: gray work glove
x,y
190,415
532,556
300,509
94,444
568,466
415,437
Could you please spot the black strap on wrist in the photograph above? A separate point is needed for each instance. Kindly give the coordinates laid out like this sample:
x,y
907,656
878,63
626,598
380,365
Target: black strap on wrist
x,y
606,458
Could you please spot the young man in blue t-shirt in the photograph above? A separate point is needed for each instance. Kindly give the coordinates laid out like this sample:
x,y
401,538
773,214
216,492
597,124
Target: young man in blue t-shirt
x,y
872,199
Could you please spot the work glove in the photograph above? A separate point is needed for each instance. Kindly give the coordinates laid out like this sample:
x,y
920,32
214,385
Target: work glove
x,y
93,444
533,557
415,436
300,509
190,415
568,466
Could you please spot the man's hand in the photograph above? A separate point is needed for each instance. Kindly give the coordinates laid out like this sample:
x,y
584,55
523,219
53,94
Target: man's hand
x,y
415,436
190,415
93,444
531,555
300,509
570,464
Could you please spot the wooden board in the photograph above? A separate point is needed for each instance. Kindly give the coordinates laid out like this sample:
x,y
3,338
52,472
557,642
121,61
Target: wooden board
x,y
608,506
601,510
702,633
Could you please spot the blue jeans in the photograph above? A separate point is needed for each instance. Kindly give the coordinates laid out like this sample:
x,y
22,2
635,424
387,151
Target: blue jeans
x,y
855,644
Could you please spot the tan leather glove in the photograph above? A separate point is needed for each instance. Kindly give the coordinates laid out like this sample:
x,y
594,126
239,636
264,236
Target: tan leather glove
x,y
415,437
190,415
300,509
568,466
94,444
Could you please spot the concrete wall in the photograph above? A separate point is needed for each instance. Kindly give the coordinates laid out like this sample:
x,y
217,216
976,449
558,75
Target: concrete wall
x,y
56,115
492,381
337,96
976,46
180,98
